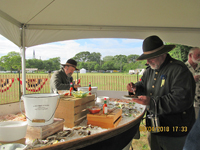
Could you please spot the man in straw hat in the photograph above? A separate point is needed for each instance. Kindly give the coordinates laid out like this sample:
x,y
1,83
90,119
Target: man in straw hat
x,y
167,88
61,79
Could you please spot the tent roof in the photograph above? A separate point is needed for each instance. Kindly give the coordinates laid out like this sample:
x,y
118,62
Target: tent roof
x,y
45,21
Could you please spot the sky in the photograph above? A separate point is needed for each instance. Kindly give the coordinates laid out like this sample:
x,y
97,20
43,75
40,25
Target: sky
x,y
68,49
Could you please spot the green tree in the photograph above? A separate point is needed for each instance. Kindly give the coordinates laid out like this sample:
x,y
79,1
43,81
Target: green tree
x,y
132,58
120,60
11,61
35,63
97,67
48,65
108,58
134,65
82,65
94,57
108,65
90,65
55,63
82,56
180,52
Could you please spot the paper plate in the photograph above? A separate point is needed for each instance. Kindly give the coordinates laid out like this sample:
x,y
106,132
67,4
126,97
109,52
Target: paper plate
x,y
128,97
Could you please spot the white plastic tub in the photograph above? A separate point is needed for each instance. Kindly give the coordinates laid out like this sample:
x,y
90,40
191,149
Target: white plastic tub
x,y
100,99
12,130
40,108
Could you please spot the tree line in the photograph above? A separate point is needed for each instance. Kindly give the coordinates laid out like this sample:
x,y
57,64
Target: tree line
x,y
89,61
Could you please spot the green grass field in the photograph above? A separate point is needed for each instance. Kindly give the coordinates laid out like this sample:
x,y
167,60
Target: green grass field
x,y
104,81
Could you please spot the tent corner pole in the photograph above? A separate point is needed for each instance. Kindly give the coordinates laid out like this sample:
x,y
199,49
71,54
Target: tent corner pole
x,y
23,71
23,62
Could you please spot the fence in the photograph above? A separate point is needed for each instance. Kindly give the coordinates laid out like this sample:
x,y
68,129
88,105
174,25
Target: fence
x,y
10,90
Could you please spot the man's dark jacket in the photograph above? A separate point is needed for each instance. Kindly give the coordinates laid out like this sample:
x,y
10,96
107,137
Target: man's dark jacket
x,y
173,88
60,81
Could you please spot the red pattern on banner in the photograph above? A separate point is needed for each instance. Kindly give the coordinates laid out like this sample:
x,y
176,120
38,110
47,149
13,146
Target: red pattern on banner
x,y
6,84
34,85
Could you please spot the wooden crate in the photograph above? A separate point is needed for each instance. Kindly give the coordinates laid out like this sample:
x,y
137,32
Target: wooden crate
x,y
73,110
105,121
41,132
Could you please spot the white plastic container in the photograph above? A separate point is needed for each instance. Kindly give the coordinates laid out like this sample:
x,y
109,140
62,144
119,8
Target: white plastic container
x,y
40,108
12,130
100,99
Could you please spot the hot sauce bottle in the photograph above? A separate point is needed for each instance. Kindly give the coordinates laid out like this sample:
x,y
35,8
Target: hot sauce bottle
x,y
71,89
79,80
89,89
105,108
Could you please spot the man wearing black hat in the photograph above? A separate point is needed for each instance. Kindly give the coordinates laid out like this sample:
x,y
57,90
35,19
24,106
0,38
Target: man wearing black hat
x,y
167,88
61,79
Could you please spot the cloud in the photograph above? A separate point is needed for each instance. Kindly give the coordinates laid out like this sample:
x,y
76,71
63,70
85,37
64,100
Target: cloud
x,y
112,47
132,41
7,46
68,49
65,50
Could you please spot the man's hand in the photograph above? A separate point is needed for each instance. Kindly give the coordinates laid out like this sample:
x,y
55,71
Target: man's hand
x,y
76,86
196,78
144,100
131,87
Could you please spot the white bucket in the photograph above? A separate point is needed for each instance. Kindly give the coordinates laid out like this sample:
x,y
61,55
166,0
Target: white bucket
x,y
40,108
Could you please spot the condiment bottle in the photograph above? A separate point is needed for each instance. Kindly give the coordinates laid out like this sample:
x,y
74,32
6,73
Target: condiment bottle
x,y
71,89
89,89
79,80
105,108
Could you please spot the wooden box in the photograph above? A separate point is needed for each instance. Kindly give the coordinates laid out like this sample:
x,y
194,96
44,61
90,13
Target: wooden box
x,y
105,121
41,132
74,110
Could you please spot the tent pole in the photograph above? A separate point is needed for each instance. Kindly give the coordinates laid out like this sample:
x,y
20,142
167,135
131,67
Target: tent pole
x,y
23,62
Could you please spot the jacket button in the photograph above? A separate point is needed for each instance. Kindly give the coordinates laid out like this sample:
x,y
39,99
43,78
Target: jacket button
x,y
154,78
152,86
184,112
150,93
156,73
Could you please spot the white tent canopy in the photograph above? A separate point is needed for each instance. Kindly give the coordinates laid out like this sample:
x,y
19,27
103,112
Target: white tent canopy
x,y
28,23
82,70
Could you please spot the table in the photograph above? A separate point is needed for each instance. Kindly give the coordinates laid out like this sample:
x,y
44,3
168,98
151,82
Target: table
x,y
111,139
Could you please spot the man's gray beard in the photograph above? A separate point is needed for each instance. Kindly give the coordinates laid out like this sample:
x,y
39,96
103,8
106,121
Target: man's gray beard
x,y
154,68
195,61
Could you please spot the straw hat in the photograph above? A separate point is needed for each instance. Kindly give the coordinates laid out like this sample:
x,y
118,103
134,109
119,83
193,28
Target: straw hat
x,y
153,46
72,63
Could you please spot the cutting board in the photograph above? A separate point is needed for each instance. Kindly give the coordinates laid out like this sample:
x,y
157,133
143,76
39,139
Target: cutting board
x,y
105,121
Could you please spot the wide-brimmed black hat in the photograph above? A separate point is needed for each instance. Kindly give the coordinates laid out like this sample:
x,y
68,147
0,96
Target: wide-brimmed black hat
x,y
153,46
72,63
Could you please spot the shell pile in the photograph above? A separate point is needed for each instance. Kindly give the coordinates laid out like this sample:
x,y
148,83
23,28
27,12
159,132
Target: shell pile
x,y
130,109
62,136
